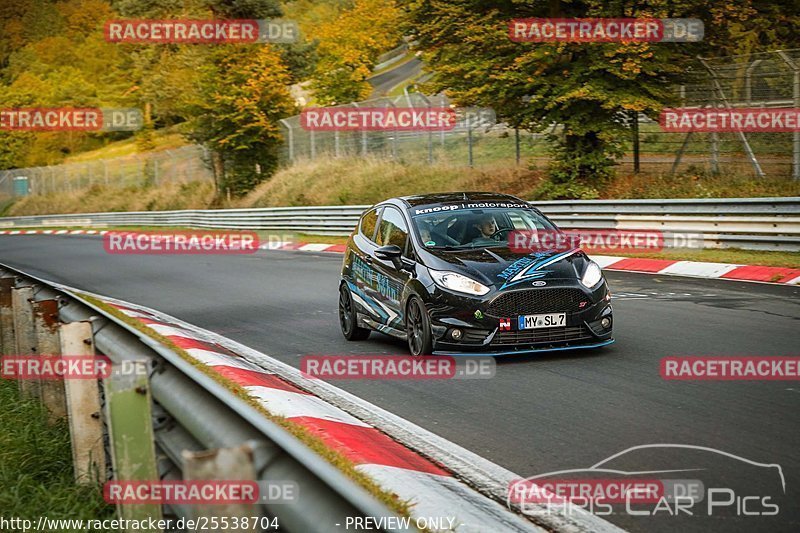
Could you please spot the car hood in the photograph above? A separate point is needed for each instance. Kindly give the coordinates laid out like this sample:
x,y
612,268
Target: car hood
x,y
501,267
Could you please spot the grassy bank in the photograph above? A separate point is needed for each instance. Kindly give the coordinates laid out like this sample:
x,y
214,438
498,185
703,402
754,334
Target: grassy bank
x,y
36,465
367,181
99,198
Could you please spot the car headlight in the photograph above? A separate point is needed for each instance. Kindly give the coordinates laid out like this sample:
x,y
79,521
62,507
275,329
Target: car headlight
x,y
458,283
592,275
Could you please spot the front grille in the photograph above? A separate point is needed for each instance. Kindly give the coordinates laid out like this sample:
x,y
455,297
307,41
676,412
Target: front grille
x,y
530,301
547,335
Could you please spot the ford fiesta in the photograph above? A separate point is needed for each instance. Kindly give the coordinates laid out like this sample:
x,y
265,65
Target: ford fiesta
x,y
438,271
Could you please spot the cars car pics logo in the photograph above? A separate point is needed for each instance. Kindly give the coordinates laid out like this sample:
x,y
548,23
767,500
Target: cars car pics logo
x,y
505,324
690,489
539,283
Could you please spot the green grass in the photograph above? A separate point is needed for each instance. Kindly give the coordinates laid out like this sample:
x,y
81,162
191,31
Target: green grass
x,y
163,140
36,477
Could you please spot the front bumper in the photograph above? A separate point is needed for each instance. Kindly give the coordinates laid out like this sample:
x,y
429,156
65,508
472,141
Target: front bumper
x,y
479,320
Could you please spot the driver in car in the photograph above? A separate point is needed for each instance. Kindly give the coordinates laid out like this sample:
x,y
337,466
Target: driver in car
x,y
487,227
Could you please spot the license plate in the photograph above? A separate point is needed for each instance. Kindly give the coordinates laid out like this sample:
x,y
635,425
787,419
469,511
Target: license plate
x,y
552,320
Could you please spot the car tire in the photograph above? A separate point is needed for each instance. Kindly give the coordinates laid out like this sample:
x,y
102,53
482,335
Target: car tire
x,y
347,317
418,328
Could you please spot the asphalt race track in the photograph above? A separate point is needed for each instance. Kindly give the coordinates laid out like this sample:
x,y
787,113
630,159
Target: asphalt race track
x,y
539,413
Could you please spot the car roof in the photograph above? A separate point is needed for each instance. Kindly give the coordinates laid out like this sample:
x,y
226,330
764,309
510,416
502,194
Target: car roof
x,y
445,197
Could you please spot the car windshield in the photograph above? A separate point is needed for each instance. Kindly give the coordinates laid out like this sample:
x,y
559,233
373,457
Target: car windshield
x,y
454,227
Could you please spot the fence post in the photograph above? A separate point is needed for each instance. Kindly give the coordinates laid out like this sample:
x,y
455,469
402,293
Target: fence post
x,y
232,464
714,152
130,429
83,408
796,94
469,142
635,132
45,322
748,80
720,96
25,335
291,138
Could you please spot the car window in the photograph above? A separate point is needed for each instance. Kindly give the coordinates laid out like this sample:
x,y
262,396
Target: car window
x,y
368,223
393,229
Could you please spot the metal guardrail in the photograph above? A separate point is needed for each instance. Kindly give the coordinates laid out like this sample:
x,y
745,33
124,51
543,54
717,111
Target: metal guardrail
x,y
165,420
751,223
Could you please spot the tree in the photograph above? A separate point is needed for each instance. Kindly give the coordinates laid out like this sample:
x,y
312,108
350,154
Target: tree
x,y
589,88
349,47
243,94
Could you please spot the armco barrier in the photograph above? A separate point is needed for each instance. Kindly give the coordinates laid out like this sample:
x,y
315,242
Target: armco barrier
x,y
158,422
751,223
179,416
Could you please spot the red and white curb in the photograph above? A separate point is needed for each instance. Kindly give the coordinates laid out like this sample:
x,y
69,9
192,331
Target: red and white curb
x,y
438,478
695,269
53,232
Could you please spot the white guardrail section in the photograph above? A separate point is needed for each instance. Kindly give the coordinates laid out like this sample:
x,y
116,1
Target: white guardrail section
x,y
750,223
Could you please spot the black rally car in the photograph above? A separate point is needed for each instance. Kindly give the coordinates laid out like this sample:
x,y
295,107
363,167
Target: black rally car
x,y
438,270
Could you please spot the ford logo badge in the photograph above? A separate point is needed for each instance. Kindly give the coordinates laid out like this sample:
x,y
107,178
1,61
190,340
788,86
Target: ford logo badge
x,y
539,283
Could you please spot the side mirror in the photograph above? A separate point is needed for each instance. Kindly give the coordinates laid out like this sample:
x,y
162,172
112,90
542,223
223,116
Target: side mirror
x,y
389,252
393,253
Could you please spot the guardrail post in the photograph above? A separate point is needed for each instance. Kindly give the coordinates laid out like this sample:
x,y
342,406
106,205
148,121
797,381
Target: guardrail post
x,y
222,464
8,345
130,429
83,408
45,323
25,335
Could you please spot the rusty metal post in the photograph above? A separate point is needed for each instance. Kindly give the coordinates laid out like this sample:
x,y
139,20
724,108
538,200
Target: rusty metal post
x,y
7,343
234,464
83,408
25,335
45,322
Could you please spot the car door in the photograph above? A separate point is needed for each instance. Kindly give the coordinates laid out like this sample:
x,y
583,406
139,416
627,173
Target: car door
x,y
390,280
363,278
